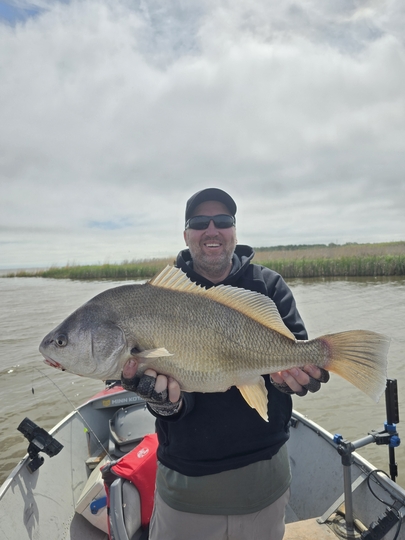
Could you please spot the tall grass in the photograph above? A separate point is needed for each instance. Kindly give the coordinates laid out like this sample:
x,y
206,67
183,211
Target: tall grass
x,y
387,259
343,266
125,270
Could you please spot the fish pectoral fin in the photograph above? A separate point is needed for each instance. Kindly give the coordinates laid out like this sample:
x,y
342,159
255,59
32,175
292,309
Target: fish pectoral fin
x,y
255,395
153,353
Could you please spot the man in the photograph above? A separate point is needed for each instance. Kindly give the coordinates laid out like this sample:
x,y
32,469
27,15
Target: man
x,y
223,472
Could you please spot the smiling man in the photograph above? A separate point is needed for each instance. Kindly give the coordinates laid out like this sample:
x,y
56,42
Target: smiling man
x,y
211,242
223,472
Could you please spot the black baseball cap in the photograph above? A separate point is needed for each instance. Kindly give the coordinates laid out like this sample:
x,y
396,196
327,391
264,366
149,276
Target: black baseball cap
x,y
210,194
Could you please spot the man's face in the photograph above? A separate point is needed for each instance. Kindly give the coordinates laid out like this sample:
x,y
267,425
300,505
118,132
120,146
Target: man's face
x,y
211,249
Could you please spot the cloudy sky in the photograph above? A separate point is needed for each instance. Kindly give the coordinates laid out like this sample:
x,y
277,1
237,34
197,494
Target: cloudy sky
x,y
114,112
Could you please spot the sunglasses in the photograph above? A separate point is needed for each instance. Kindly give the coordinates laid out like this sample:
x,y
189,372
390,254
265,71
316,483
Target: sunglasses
x,y
221,221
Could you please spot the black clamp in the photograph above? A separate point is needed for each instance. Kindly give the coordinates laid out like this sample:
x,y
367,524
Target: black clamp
x,y
389,436
40,441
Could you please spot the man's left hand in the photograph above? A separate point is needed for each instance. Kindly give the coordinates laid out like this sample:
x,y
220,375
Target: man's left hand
x,y
300,380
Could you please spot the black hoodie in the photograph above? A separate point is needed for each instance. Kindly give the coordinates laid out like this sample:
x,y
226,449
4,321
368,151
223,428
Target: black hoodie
x,y
215,432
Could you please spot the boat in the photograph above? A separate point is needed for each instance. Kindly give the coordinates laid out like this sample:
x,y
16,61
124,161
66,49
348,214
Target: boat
x,y
67,488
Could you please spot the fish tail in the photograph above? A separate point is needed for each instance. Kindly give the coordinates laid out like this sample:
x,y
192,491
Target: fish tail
x,y
360,357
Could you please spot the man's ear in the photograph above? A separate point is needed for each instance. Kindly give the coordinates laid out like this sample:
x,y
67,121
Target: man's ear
x,y
185,237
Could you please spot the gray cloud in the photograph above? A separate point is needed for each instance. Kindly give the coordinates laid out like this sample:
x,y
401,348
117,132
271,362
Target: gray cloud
x,y
114,112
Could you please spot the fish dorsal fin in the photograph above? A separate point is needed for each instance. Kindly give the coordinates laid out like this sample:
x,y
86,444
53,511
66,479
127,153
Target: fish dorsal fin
x,y
255,305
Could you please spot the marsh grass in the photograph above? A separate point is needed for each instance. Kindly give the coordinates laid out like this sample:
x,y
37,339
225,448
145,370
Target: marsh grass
x,y
125,270
342,266
387,259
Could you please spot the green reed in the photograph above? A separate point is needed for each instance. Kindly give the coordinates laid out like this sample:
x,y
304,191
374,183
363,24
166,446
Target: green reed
x,y
388,265
125,270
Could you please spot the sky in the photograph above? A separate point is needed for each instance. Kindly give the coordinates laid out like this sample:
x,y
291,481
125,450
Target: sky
x,y
114,112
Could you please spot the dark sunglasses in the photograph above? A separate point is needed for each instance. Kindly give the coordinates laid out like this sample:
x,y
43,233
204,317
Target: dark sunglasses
x,y
221,221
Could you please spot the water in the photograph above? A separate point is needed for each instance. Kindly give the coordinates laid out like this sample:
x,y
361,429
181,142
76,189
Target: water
x,y
369,303
31,307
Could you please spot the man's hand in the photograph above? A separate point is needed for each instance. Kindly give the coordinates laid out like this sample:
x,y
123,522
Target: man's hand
x,y
161,393
300,380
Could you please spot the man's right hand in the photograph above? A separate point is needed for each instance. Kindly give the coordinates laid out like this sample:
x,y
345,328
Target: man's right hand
x,y
162,393
300,380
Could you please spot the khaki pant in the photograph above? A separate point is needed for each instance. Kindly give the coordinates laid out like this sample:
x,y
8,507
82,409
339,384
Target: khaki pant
x,y
170,524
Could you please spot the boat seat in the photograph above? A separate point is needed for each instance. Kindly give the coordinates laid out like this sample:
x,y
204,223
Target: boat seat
x,y
128,427
125,511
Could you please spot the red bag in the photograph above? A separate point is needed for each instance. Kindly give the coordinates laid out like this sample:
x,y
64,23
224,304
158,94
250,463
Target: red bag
x,y
139,467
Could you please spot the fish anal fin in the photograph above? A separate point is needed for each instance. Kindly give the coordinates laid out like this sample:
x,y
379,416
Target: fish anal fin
x,y
153,353
255,305
255,394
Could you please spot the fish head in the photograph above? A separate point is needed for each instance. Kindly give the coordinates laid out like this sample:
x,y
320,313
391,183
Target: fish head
x,y
89,343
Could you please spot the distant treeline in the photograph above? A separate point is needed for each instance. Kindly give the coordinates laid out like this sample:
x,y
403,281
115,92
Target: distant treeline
x,y
294,247
392,246
292,261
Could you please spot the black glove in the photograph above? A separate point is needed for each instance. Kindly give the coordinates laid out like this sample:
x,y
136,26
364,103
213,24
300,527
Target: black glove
x,y
313,386
144,386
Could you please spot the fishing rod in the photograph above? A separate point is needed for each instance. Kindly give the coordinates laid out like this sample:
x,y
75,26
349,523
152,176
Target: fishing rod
x,y
392,409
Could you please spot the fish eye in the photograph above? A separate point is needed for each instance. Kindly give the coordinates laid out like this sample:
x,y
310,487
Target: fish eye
x,y
61,340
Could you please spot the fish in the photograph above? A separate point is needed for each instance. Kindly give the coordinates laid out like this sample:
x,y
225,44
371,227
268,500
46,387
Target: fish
x,y
207,339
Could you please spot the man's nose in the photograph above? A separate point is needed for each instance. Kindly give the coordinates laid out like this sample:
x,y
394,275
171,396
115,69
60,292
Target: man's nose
x,y
211,227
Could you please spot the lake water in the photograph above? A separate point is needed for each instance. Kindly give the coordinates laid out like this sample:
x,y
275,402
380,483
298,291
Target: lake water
x,y
31,307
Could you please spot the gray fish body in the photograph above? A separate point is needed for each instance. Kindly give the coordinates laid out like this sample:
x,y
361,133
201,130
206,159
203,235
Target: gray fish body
x,y
208,340
213,346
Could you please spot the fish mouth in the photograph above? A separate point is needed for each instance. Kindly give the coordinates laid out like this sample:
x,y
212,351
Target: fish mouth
x,y
53,363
